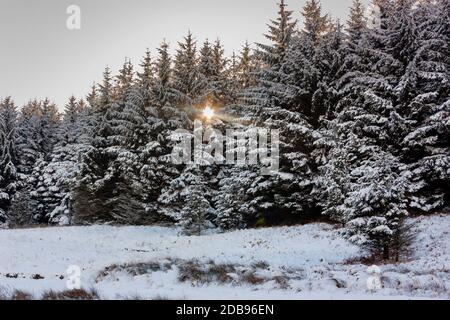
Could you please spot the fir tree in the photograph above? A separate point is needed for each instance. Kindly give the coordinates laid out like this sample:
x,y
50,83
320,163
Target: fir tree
x,y
28,136
316,24
163,89
206,67
195,210
218,79
124,80
357,22
146,79
246,68
48,127
186,76
8,156
71,128
187,200
101,111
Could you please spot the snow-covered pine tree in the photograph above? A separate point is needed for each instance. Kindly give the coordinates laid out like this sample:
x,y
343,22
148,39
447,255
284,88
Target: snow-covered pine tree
x,y
375,206
52,178
423,94
367,177
124,80
233,86
310,64
38,132
219,80
246,68
163,90
271,57
48,127
144,128
196,208
136,104
92,97
316,24
85,122
121,178
357,22
352,61
229,202
71,128
165,93
101,106
212,67
51,184
9,183
240,77
146,79
206,67
163,116
126,96
328,60
104,192
187,200
187,80
28,132
239,197
288,95
99,177
364,188
397,70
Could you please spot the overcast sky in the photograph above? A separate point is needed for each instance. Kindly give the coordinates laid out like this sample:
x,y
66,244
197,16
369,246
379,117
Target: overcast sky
x,y
40,57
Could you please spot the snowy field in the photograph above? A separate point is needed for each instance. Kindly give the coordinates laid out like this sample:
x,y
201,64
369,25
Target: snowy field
x,y
302,262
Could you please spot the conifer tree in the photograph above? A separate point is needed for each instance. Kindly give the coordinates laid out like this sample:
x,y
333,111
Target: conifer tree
x,y
28,134
48,127
187,199
316,24
218,80
246,68
124,80
357,22
71,127
186,76
163,88
146,79
8,156
206,67
101,111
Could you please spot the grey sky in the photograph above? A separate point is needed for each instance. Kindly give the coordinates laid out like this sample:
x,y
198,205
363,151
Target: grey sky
x,y
40,57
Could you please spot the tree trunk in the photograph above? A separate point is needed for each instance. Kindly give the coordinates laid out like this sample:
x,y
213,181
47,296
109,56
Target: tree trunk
x,y
385,252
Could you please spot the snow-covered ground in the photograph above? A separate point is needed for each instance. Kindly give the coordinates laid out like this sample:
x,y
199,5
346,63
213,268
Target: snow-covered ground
x,y
301,262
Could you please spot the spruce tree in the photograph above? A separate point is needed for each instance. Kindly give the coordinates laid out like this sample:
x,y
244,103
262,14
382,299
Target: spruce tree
x,y
163,88
187,200
206,68
8,156
187,80
71,128
28,134
48,127
218,79
246,68
316,24
146,79
357,22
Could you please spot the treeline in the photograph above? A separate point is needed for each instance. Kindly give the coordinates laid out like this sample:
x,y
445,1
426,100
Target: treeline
x,y
363,109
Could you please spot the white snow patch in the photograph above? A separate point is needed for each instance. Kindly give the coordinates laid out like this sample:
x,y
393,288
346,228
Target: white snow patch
x,y
313,258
